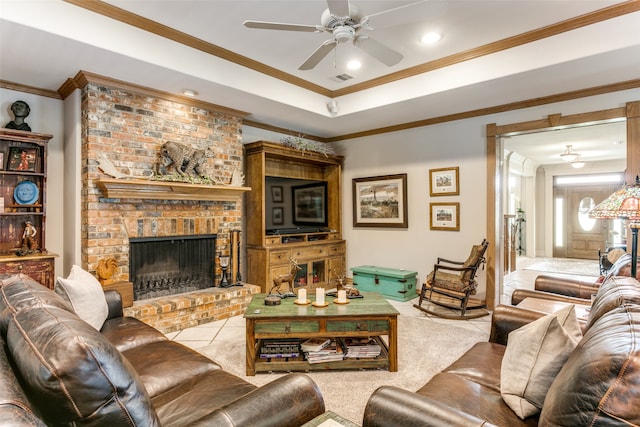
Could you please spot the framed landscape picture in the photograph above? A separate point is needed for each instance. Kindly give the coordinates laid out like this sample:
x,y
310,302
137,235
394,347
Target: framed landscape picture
x,y
444,182
445,216
310,204
276,194
380,201
277,215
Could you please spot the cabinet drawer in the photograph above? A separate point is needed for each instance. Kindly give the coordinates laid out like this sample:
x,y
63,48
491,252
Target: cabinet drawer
x,y
334,250
358,326
278,257
287,327
309,253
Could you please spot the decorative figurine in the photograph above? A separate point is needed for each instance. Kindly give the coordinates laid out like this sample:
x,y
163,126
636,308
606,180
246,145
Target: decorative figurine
x,y
184,159
20,110
29,244
286,278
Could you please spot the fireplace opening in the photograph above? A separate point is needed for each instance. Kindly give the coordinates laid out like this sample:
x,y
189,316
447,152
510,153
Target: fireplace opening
x,y
160,266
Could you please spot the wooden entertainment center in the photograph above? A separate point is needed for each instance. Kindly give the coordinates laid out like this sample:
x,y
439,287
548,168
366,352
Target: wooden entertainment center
x,y
320,251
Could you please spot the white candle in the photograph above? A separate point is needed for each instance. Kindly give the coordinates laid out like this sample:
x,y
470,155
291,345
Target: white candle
x,y
320,296
342,296
302,296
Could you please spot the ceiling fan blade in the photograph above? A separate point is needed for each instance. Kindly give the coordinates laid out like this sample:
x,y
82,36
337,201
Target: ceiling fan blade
x,y
382,53
318,55
281,26
339,8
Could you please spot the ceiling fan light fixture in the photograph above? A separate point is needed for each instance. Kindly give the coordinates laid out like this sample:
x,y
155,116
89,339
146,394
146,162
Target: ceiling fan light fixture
x,y
431,37
569,155
354,64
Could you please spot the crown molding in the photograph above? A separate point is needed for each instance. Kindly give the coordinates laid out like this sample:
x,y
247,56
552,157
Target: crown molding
x,y
4,84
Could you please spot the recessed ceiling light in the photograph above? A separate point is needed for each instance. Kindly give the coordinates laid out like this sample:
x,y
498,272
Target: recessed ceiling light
x,y
189,92
431,37
354,64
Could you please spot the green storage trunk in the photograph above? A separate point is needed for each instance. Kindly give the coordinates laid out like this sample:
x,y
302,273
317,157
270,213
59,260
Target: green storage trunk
x,y
391,283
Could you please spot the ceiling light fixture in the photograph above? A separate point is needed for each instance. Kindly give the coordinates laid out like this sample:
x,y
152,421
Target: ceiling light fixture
x,y
569,155
577,163
430,38
332,106
189,92
354,64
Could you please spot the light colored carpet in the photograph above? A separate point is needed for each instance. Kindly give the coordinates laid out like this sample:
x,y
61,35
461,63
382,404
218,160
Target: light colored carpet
x,y
424,348
580,267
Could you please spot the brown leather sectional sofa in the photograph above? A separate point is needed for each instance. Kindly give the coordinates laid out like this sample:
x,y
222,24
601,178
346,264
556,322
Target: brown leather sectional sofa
x,y
599,384
56,369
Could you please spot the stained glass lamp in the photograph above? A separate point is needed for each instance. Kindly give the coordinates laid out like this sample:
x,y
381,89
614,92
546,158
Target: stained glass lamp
x,y
623,204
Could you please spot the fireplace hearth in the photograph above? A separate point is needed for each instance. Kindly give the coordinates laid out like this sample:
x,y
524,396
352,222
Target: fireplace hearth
x,y
161,266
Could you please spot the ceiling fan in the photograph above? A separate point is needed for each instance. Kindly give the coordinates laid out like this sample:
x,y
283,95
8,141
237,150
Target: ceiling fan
x,y
344,22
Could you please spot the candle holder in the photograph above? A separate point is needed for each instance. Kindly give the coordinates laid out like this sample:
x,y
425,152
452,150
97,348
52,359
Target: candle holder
x,y
224,266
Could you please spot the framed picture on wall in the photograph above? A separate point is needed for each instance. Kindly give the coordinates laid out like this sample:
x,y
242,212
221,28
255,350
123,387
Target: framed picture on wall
x,y
277,216
380,201
22,159
445,216
444,182
310,204
276,194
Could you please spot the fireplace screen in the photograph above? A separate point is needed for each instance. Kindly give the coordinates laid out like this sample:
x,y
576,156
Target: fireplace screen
x,y
160,266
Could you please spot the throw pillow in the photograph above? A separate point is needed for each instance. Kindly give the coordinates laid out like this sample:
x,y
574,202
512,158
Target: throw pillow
x,y
85,294
534,355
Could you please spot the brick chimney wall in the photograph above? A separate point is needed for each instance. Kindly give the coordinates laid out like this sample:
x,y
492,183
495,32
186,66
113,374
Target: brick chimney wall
x,y
129,128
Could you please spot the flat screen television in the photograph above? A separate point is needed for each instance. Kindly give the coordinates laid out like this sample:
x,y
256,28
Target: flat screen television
x,y
296,206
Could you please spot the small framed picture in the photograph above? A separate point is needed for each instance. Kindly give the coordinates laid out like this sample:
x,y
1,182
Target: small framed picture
x,y
276,194
277,216
445,216
1,160
444,182
22,159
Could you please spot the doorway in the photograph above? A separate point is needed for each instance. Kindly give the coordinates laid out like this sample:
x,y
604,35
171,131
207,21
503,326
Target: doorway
x,y
630,113
576,235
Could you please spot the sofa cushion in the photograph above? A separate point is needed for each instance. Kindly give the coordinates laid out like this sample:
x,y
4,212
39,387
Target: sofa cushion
x,y
474,399
126,333
613,293
15,409
86,296
155,364
535,354
20,291
600,382
480,364
73,374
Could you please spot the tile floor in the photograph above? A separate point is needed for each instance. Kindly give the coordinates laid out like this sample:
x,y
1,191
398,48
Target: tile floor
x,y
203,335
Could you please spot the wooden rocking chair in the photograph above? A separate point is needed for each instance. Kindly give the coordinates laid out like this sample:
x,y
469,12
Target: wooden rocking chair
x,y
453,281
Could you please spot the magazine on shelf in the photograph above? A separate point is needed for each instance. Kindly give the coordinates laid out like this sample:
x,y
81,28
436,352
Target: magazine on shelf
x,y
315,344
330,353
362,347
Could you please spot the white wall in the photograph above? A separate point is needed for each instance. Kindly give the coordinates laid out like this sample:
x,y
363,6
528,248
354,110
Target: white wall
x,y
461,143
46,117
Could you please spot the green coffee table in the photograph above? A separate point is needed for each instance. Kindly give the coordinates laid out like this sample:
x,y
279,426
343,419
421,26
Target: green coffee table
x,y
371,316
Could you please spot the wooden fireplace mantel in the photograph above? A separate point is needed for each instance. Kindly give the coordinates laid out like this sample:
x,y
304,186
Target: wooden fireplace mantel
x,y
163,190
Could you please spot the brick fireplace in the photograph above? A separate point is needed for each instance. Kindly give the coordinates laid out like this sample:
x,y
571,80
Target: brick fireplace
x,y
127,125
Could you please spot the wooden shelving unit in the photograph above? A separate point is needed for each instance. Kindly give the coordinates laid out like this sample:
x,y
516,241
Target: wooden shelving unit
x,y
14,215
320,254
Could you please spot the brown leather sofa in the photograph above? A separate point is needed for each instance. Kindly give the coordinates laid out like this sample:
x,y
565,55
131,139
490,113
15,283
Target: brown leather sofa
x,y
599,384
55,369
